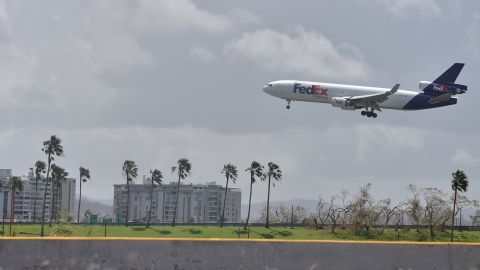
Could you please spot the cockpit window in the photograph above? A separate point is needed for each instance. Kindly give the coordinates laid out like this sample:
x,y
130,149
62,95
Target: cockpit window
x,y
270,84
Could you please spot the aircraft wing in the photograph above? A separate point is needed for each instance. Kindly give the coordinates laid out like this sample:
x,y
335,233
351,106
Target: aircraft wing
x,y
374,98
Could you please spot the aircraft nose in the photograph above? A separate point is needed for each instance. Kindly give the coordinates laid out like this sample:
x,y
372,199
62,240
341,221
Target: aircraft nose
x,y
268,88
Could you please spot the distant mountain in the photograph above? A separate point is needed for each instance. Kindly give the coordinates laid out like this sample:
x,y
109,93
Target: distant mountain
x,y
99,207
256,208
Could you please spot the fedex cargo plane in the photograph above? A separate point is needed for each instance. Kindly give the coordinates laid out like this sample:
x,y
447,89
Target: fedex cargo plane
x,y
434,94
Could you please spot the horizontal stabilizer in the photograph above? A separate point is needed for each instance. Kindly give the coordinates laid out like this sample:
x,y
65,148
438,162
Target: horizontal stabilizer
x,y
440,99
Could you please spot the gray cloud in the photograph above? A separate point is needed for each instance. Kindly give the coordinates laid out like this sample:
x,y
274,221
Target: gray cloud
x,y
473,36
304,52
406,8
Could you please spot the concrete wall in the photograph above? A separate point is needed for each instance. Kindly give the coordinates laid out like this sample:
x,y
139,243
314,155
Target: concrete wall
x,y
209,255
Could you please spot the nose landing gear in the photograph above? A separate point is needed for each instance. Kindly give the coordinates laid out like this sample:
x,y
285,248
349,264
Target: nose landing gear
x,y
288,104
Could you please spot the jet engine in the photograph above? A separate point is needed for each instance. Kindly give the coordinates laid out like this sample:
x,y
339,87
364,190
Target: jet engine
x,y
343,103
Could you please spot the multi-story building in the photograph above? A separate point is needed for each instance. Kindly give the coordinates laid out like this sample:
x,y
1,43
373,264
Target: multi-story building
x,y
196,203
64,197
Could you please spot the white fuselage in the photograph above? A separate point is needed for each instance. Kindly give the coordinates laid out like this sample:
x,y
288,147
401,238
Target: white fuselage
x,y
324,92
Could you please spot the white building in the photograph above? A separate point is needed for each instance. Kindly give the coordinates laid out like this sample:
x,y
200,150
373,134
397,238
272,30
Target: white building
x,y
25,200
196,203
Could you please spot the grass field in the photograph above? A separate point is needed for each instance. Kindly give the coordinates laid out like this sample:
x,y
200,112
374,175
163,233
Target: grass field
x,y
237,232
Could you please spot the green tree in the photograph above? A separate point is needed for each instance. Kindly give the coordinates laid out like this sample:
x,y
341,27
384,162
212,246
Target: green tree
x,y
274,173
59,175
256,170
230,171
130,172
183,170
14,185
51,148
39,170
459,183
84,177
156,177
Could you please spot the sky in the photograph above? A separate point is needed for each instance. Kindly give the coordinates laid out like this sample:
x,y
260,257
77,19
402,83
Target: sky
x,y
156,81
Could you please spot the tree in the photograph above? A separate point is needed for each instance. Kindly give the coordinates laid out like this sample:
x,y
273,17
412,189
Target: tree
x,y
256,170
14,185
334,213
129,173
51,148
230,171
414,206
58,176
84,177
319,205
39,170
86,215
388,212
275,173
156,178
299,215
459,183
362,212
436,209
282,214
183,169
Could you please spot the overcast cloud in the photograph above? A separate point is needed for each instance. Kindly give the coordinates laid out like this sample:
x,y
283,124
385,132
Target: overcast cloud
x,y
155,81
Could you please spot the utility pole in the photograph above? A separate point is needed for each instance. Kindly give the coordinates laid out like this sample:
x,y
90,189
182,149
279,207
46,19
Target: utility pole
x,y
460,218
3,225
292,217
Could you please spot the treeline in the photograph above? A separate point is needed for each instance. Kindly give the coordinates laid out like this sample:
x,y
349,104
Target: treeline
x,y
425,207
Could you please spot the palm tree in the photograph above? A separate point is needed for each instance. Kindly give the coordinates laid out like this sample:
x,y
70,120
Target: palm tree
x,y
84,177
183,170
129,171
255,169
39,170
51,148
459,183
58,176
15,184
230,172
156,178
275,173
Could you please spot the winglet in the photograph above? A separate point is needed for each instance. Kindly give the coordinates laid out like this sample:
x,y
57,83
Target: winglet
x,y
394,89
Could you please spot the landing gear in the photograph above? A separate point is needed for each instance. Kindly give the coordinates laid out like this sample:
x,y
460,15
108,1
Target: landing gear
x,y
288,104
370,109
369,114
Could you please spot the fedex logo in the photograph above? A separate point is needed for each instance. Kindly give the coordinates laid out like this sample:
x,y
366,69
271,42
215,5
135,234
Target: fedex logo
x,y
313,90
440,88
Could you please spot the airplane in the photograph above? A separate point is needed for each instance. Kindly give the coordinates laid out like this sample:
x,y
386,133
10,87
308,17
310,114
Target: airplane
x,y
434,94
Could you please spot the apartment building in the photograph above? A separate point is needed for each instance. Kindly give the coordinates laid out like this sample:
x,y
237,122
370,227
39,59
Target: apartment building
x,y
199,203
64,197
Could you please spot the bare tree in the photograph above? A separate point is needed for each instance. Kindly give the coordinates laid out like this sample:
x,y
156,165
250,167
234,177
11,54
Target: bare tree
x,y
475,218
322,214
362,211
436,210
299,214
387,212
414,206
334,214
462,201
283,214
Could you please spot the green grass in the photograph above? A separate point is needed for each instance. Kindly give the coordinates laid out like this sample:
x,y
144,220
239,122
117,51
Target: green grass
x,y
236,232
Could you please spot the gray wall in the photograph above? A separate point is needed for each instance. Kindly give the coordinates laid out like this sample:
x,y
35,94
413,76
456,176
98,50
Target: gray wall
x,y
167,254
